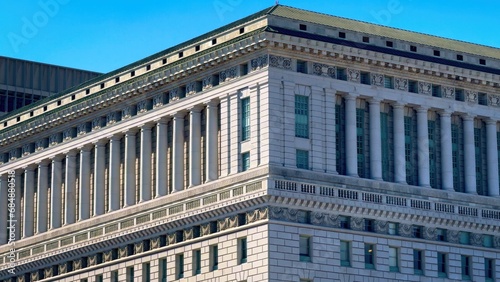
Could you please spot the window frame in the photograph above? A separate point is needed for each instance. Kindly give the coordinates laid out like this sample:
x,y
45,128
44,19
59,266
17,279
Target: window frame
x,y
370,256
305,256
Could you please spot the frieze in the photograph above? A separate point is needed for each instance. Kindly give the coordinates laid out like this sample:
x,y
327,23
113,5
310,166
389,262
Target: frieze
x,y
21,278
280,62
77,264
324,70
430,233
357,223
127,112
96,123
63,268
228,74
92,260
123,252
27,149
381,227
138,247
82,129
476,239
471,96
377,79
48,272
111,118
174,95
67,134
401,84
448,92
453,236
13,154
154,243
258,63
40,144
207,82
256,215
107,256
35,276
354,75
188,234
142,107
172,238
190,88
496,242
53,139
494,100
424,88
157,101
405,230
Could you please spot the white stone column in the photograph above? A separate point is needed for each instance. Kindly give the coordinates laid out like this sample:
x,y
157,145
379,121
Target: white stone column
x,y
330,135
17,202
4,194
29,204
43,178
55,193
399,144
161,158
375,140
469,155
446,152
194,147
234,132
178,153
492,157
145,165
350,136
211,151
130,152
423,147
114,174
317,129
255,123
84,196
70,189
99,180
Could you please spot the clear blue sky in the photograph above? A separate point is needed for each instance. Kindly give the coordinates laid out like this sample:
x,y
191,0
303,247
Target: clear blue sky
x,y
107,34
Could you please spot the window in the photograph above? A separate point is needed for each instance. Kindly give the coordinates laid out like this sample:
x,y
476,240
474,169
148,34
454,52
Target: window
x,y
344,222
341,34
413,48
245,161
245,119
341,74
460,57
365,78
482,61
366,39
197,48
303,27
345,253
301,66
117,79
369,256
84,280
389,82
162,265
243,69
393,228
301,116
436,90
87,91
214,257
369,225
99,278
482,98
305,248
114,276
59,102
489,269
488,241
417,231
102,85
441,234
393,259
437,53
132,73
130,274
464,238
459,95
196,262
389,44
146,272
302,159
418,262
164,61
442,271
32,113
242,30
466,268
181,54
179,266
214,41
412,86
242,250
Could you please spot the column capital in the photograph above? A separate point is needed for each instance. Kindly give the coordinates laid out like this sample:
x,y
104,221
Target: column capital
x,y
56,158
30,167
146,126
85,148
100,142
162,120
130,131
178,115
195,109
490,121
115,137
468,117
42,163
445,113
375,100
351,96
398,105
422,109
211,103
70,153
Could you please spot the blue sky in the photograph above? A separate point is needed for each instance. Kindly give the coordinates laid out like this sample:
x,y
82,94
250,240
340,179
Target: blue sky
x,y
107,34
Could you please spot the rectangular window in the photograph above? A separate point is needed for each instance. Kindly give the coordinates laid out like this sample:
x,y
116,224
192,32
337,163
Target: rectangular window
x,y
441,234
418,262
245,161
464,238
436,90
243,69
301,66
341,74
417,231
162,265
412,86
305,248
242,250
442,269
130,274
370,256
302,159
179,266
365,78
413,48
245,119
389,82
114,276
393,228
466,268
301,116
482,98
99,278
459,95
214,257
341,34
369,225
393,259
345,253
196,262
389,44
488,241
489,269
146,272
344,222
302,27
366,39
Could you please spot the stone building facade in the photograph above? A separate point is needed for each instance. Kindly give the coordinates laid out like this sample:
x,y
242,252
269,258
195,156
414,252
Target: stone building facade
x,y
287,146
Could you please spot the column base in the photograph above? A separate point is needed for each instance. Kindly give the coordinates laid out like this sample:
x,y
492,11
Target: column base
x,y
353,175
378,179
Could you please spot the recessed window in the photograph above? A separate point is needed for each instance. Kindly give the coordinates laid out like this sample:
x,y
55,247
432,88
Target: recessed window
x,y
132,73
393,228
369,256
179,266
489,269
482,61
214,257
242,30
366,39
164,61
59,102
412,86
102,85
482,98
242,250
365,78
464,238
442,265
31,113
436,90
389,44
99,278
245,119
197,48
243,69
302,158
413,48
301,116
341,34
73,97
344,222
162,268
196,262
181,54
18,119
389,82
117,79
441,234
245,161
148,67
437,53
369,225
459,95
146,272
466,267
341,74
87,91
393,259
130,274
5,124
345,253
460,57
303,27
301,66
214,41
114,276
487,241
44,108
305,248
418,262
417,231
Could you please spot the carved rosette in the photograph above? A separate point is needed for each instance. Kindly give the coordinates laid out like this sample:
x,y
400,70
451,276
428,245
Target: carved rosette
x,y
111,118
405,230
453,236
430,233
280,62
317,218
401,83
476,239
258,63
126,113
354,75
471,96
448,92
68,134
142,107
323,70
357,223
424,88
26,149
207,82
173,95
96,123
381,227
377,79
494,100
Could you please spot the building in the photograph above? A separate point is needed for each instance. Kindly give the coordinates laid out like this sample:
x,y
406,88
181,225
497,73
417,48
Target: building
x,y
286,146
24,82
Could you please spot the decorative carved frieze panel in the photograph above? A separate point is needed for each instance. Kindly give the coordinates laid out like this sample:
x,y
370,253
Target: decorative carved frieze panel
x,y
92,260
142,107
381,227
259,63
377,79
325,219
430,233
40,144
494,100
77,264
139,247
111,118
453,236
256,215
357,223
401,83
124,251
228,74
13,154
280,62
96,123
35,276
68,134
190,88
496,242
471,96
54,139
27,149
127,112
63,268
172,238
207,82
154,243
157,101
48,272
188,234
476,239
424,88
324,70
448,92
81,129
354,75
405,230
107,256
174,95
